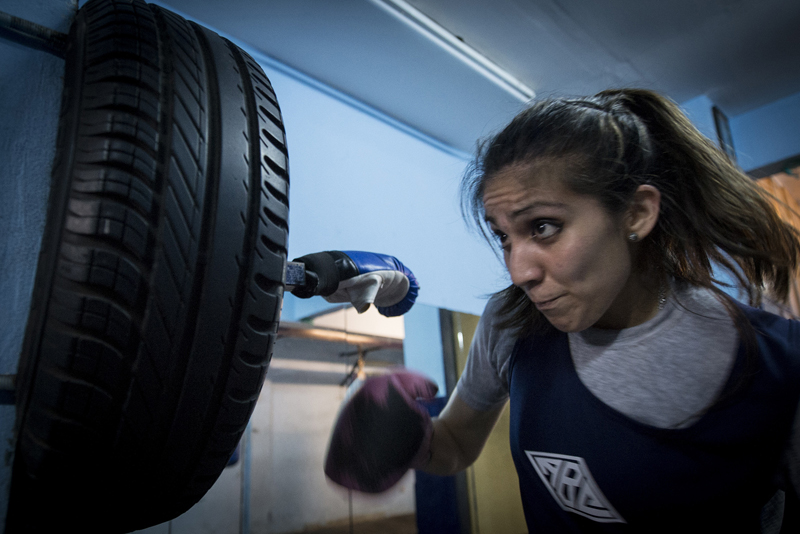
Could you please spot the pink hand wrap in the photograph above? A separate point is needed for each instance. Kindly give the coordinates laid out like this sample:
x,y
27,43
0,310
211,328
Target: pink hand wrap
x,y
381,433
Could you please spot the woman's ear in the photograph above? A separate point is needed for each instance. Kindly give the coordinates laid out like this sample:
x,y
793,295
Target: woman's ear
x,y
643,212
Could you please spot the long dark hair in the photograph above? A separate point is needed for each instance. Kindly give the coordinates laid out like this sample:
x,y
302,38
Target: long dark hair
x,y
711,212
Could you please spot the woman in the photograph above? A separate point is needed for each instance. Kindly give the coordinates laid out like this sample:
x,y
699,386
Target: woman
x,y
643,398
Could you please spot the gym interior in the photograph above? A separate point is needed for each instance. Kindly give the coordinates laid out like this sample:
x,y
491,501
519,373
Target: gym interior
x,y
382,103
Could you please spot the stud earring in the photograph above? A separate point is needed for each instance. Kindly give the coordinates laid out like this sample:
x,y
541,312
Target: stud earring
x,y
633,236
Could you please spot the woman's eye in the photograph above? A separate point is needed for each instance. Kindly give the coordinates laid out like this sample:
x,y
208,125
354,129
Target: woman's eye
x,y
500,237
545,229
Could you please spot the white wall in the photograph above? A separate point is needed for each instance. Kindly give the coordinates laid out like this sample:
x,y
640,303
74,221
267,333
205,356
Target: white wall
x,y
289,491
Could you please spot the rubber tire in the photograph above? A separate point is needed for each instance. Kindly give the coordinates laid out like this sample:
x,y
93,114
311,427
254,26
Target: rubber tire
x,y
161,276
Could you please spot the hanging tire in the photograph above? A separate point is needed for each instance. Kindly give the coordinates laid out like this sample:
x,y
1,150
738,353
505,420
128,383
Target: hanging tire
x,y
161,275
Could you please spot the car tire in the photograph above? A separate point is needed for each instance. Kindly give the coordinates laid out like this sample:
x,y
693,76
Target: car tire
x,y
161,275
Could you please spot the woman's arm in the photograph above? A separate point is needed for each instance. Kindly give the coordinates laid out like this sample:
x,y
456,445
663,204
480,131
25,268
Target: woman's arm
x,y
459,434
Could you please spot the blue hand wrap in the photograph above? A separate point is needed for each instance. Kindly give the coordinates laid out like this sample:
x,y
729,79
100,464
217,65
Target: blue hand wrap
x,y
368,262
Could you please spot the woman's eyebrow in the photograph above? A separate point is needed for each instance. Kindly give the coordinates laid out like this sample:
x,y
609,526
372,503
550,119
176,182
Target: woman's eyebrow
x,y
536,205
530,207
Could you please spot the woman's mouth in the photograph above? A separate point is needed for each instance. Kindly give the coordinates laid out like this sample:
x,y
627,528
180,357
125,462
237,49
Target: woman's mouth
x,y
546,304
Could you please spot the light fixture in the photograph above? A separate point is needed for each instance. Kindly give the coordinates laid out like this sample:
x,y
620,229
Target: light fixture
x,y
444,38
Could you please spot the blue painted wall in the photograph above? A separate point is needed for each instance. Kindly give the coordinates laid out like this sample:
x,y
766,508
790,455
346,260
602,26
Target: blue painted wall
x,y
767,134
30,95
761,137
699,112
360,182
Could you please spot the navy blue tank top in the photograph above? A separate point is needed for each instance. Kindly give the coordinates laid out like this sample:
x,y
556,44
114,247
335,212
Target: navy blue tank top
x,y
585,467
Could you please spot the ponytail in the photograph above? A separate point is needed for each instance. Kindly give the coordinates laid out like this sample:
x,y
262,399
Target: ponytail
x,y
711,212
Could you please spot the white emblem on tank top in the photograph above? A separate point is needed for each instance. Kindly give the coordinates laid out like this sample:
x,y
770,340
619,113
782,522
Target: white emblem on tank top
x,y
571,484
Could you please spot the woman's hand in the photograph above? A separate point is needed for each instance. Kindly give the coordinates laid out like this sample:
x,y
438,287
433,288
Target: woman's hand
x,y
382,432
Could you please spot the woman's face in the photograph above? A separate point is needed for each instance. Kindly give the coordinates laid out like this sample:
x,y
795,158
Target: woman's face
x,y
570,256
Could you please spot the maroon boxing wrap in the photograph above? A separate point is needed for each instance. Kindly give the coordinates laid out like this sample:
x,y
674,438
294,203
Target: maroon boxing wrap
x,y
381,432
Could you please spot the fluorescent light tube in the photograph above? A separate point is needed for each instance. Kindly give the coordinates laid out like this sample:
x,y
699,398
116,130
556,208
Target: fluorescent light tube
x,y
444,38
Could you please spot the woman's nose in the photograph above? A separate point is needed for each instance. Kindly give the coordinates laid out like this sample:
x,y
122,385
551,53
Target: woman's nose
x,y
524,265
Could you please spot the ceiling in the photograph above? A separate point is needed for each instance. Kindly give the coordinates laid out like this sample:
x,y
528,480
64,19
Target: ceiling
x,y
742,54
